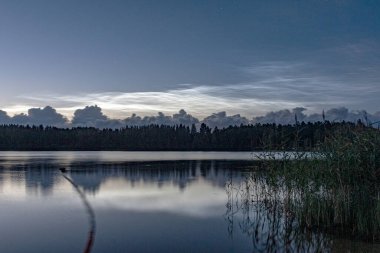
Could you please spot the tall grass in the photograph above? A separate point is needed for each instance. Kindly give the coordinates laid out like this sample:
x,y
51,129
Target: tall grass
x,y
339,191
262,211
299,201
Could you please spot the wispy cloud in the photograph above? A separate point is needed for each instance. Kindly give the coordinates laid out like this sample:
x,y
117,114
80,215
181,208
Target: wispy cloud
x,y
202,100
270,86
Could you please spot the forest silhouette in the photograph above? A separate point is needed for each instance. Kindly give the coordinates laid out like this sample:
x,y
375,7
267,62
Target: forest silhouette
x,y
300,136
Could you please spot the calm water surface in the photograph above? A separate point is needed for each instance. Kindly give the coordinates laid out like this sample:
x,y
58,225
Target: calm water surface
x,y
140,202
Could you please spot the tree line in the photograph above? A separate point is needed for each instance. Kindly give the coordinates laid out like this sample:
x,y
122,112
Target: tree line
x,y
304,136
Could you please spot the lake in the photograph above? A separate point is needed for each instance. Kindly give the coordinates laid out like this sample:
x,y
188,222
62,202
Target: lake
x,y
144,202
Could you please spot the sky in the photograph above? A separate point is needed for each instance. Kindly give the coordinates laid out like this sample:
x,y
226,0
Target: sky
x,y
240,57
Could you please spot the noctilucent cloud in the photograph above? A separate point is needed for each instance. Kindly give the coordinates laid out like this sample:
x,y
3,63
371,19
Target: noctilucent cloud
x,y
247,57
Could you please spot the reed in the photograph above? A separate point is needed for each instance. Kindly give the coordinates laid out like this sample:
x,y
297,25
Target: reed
x,y
305,199
340,191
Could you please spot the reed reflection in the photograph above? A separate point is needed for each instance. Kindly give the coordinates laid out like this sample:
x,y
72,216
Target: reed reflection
x,y
263,213
185,200
89,211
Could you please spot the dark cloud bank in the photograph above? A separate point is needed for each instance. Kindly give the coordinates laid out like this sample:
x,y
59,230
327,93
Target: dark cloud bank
x,y
92,116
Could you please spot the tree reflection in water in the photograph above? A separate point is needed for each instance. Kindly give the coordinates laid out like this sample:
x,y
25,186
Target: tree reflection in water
x,y
263,212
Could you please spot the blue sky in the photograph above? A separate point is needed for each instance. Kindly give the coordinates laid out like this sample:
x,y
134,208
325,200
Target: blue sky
x,y
247,57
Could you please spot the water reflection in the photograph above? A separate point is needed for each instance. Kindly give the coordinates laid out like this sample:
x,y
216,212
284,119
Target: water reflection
x,y
262,213
41,178
70,157
177,206
132,201
273,213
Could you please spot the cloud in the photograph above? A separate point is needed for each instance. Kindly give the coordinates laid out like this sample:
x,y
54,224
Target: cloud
x,y
4,118
160,119
283,116
271,89
182,117
333,115
36,116
46,116
221,120
270,86
201,99
20,119
310,85
91,116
